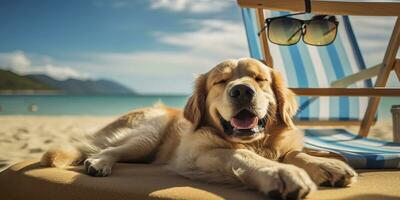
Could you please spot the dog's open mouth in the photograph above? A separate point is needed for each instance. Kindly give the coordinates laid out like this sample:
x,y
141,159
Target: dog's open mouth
x,y
243,124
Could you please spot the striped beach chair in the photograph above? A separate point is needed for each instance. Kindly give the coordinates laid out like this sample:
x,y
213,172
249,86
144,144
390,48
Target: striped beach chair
x,y
306,66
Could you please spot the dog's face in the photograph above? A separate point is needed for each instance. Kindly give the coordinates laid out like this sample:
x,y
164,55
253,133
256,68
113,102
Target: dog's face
x,y
242,99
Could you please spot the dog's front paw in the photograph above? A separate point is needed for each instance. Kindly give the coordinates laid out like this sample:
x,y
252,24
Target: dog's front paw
x,y
285,182
98,167
332,172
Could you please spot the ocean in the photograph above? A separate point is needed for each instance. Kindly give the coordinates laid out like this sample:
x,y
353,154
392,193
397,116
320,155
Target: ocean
x,y
81,104
109,105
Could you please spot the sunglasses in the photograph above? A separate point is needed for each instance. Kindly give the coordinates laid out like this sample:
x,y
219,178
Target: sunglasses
x,y
320,30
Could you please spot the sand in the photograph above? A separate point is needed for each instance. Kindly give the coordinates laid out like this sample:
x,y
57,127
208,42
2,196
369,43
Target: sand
x,y
26,137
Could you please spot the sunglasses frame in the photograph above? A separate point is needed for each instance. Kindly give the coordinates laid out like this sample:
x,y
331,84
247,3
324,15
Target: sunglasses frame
x,y
303,27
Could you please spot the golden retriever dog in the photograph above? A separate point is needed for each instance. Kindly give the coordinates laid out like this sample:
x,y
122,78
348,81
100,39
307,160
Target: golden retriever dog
x,y
235,128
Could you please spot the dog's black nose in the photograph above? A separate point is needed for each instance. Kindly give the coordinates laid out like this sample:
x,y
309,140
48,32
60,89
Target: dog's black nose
x,y
242,92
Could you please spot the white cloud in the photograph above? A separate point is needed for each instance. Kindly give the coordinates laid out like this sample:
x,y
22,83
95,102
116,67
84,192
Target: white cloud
x,y
190,6
155,71
199,50
21,63
194,6
57,72
214,37
16,60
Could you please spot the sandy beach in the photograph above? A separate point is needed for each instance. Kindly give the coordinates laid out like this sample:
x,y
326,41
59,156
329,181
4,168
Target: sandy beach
x,y
26,137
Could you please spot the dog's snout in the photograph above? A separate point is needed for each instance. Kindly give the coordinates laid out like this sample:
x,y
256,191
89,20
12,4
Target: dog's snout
x,y
242,92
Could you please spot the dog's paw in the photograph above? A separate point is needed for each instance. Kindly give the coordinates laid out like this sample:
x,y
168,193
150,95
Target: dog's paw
x,y
332,173
98,167
286,182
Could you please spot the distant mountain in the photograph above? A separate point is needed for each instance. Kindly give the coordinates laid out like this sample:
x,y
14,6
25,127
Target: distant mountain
x,y
75,86
12,81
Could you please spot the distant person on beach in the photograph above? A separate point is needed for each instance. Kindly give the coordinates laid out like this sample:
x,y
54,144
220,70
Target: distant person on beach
x,y
33,108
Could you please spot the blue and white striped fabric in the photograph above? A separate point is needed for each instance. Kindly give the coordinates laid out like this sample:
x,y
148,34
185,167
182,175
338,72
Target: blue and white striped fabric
x,y
360,153
310,66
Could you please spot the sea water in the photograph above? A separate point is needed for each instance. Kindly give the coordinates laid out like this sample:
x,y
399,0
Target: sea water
x,y
81,104
109,105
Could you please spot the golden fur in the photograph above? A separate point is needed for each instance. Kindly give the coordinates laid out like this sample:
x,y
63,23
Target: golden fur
x,y
194,143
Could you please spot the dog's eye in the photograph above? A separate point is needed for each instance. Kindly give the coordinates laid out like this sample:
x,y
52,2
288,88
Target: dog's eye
x,y
220,82
260,79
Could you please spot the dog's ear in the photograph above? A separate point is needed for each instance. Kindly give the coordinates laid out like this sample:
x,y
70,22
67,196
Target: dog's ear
x,y
286,100
195,107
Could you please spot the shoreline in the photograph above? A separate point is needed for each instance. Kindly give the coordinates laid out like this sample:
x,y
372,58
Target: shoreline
x,y
30,92
61,93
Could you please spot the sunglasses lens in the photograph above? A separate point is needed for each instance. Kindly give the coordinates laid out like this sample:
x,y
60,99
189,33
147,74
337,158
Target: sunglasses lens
x,y
320,32
284,31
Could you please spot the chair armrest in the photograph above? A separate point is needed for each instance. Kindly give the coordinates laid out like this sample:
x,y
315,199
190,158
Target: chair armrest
x,y
371,92
359,76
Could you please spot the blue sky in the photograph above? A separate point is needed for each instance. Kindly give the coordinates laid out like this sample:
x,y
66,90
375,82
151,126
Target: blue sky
x,y
151,46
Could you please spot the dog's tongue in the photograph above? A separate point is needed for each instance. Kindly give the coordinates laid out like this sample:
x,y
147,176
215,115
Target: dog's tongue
x,y
244,120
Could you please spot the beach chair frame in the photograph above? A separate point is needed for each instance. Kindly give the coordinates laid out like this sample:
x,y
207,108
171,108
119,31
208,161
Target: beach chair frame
x,y
382,70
